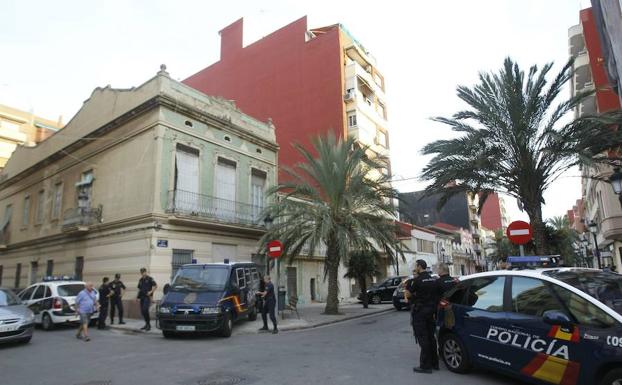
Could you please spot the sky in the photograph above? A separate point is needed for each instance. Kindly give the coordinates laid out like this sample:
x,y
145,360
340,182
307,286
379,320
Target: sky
x,y
54,53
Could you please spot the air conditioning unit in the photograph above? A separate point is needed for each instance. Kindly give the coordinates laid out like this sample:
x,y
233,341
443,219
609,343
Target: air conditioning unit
x,y
348,97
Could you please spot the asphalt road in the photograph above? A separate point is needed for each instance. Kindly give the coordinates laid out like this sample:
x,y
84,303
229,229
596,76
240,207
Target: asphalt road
x,y
373,350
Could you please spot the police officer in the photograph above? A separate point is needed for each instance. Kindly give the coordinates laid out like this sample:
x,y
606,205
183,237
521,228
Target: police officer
x,y
445,280
424,291
104,299
269,305
146,287
117,289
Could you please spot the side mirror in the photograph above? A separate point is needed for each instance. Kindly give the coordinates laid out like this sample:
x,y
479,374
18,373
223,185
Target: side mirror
x,y
166,289
556,317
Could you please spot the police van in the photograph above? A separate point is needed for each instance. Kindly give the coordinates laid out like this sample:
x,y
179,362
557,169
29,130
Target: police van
x,y
208,297
545,326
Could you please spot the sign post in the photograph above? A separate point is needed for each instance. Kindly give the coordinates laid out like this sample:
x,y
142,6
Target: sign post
x,y
275,250
519,233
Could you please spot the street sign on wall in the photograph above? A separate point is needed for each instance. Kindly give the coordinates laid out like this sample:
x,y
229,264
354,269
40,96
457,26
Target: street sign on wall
x,y
519,232
275,249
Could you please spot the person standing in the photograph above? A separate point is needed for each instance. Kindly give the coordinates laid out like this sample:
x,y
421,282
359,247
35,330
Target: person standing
x,y
86,304
117,289
424,291
104,300
445,280
269,305
146,287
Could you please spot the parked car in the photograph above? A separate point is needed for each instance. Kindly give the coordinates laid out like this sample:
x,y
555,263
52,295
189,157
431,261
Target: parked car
x,y
16,320
559,325
383,291
53,301
209,297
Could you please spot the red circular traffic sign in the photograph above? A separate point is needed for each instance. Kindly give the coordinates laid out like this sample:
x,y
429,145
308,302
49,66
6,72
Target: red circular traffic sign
x,y
275,249
519,232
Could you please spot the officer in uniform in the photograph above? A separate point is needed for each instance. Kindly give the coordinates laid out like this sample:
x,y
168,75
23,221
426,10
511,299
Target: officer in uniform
x,y
117,288
424,291
104,299
146,287
269,304
445,280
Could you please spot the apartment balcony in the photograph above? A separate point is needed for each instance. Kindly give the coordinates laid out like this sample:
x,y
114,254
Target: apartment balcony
x,y
197,209
81,219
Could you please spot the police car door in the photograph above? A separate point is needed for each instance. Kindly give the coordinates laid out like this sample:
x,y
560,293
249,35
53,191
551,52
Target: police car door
x,y
484,321
540,350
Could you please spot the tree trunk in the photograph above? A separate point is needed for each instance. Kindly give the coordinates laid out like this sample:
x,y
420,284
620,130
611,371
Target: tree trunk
x,y
332,265
537,227
363,285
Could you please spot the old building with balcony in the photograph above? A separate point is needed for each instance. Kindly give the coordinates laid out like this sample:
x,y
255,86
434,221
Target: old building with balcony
x,y
154,176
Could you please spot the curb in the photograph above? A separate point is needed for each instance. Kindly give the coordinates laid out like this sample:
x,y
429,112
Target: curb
x,y
285,329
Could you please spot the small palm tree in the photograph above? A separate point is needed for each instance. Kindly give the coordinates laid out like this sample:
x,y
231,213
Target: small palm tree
x,y
336,200
361,266
559,222
514,139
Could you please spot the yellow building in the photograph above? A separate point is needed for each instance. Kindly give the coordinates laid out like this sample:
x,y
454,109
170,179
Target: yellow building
x,y
21,128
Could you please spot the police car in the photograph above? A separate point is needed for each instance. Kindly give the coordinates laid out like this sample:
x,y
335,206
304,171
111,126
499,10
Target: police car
x,y
53,301
552,326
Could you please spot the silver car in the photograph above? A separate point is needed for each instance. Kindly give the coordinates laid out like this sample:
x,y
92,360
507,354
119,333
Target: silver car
x,y
16,320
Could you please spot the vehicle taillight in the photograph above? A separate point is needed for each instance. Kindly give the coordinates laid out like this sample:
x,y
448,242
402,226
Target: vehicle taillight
x,y
58,304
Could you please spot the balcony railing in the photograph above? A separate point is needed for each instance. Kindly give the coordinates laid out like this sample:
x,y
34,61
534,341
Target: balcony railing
x,y
199,205
81,217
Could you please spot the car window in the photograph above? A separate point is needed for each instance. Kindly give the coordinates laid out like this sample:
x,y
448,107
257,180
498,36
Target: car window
x,y
7,298
582,310
247,276
456,295
533,297
70,290
486,293
240,277
48,292
255,275
39,292
27,293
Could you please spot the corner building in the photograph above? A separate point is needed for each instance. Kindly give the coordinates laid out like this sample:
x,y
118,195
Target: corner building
x,y
155,176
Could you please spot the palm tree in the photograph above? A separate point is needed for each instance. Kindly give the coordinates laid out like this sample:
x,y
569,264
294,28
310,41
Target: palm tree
x,y
336,200
559,222
515,139
362,265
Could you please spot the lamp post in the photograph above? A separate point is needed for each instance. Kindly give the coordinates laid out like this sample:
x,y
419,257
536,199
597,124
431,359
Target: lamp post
x,y
594,229
616,183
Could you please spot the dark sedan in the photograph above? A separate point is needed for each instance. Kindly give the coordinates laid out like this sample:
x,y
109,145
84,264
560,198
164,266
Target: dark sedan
x,y
383,292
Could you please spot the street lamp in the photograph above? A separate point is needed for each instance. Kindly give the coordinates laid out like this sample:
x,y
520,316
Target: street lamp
x,y
594,229
616,182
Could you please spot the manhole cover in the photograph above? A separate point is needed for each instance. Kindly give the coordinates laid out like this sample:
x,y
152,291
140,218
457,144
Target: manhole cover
x,y
104,382
368,322
221,379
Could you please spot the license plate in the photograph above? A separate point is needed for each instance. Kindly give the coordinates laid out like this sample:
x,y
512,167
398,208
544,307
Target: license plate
x,y
402,300
186,328
8,328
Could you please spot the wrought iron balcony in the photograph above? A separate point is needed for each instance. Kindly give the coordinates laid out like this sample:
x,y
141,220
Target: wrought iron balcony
x,y
81,218
204,206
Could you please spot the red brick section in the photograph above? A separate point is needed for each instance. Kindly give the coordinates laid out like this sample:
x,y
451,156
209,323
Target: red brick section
x,y
491,213
295,82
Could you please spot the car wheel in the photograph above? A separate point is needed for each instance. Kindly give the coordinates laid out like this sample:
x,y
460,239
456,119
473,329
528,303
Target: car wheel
x,y
168,334
612,377
252,315
46,322
375,299
227,326
454,353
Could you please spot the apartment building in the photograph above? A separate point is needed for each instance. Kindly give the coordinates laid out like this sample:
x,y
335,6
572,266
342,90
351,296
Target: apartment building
x,y
153,176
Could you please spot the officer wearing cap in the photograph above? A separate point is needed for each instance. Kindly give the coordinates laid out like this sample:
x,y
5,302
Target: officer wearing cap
x,y
424,291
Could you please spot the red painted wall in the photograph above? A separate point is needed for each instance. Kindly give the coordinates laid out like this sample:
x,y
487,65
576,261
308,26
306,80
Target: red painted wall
x,y
296,83
606,99
491,213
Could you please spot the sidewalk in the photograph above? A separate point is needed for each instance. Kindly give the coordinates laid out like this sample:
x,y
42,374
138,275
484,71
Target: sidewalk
x,y
310,317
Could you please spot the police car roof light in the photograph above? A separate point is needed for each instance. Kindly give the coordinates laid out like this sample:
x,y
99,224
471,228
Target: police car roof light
x,y
52,278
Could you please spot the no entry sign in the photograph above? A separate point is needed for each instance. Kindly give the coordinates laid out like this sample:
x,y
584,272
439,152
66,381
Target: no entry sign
x,y
275,249
519,232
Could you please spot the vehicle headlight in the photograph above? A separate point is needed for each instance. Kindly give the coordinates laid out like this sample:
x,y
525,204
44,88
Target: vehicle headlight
x,y
29,318
165,310
210,310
